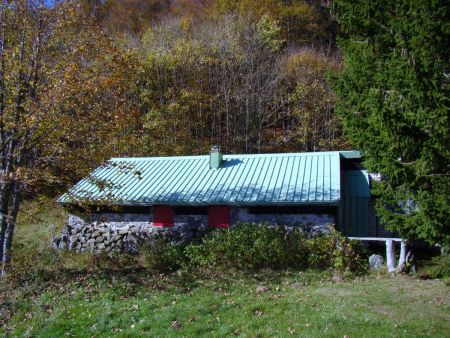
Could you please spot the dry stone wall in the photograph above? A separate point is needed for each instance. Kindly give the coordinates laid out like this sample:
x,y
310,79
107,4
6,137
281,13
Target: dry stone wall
x,y
109,237
310,224
115,232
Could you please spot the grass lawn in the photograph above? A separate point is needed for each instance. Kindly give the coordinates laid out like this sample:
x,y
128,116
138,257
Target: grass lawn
x,y
125,306
104,303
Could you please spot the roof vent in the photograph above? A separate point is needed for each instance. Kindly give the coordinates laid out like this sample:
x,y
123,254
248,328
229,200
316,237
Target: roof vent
x,y
215,157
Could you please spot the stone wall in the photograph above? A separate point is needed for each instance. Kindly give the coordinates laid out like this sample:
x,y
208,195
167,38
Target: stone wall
x,y
124,219
243,215
236,215
123,232
119,236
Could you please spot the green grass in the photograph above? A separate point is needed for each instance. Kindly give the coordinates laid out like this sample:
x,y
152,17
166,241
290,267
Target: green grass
x,y
86,302
105,305
37,222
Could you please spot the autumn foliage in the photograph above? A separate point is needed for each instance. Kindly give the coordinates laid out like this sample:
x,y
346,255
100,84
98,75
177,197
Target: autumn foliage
x,y
84,80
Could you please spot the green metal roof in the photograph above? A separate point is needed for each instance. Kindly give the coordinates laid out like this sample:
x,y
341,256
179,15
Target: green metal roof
x,y
288,178
350,154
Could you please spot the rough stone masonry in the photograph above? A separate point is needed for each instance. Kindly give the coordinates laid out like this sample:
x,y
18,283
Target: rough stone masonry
x,y
81,236
111,233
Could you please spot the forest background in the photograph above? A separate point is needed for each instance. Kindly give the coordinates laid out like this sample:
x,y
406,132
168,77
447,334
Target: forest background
x,y
85,80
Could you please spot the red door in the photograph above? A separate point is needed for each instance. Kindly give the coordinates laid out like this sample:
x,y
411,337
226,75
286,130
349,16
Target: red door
x,y
219,216
162,216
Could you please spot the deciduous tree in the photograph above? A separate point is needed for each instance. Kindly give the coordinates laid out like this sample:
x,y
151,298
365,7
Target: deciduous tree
x,y
62,98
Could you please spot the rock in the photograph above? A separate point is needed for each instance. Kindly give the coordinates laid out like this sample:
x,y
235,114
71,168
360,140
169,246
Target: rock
x,y
131,239
55,242
376,262
72,245
134,229
76,222
337,279
262,288
123,231
297,285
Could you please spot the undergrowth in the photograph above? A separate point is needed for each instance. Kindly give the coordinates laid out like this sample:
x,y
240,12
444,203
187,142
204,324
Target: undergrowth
x,y
439,267
244,248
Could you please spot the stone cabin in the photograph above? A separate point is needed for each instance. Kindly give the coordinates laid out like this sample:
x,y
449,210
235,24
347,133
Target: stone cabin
x,y
191,193
316,189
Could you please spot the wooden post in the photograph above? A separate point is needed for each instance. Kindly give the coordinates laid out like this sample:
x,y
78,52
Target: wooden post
x,y
402,258
390,256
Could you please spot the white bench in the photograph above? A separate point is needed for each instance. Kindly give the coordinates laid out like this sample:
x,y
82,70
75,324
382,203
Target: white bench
x,y
390,251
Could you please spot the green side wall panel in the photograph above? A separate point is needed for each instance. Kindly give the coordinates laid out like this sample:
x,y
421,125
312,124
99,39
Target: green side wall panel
x,y
356,216
355,203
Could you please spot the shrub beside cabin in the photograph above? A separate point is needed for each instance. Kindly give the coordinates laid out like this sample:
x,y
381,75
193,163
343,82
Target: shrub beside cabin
x,y
309,190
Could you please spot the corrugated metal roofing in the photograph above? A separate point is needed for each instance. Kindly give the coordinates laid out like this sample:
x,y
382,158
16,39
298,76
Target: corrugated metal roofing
x,y
242,179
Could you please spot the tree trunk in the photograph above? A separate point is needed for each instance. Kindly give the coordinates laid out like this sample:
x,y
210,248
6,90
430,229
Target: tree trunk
x,y
9,218
4,198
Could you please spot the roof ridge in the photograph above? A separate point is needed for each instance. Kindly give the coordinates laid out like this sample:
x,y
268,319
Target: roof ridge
x,y
225,156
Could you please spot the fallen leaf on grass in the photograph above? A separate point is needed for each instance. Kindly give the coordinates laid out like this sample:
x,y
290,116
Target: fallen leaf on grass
x,y
297,286
176,325
262,288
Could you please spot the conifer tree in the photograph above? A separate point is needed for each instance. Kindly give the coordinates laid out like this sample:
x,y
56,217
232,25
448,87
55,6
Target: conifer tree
x,y
394,102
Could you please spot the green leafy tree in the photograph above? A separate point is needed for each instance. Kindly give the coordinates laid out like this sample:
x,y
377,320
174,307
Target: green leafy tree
x,y
394,101
63,103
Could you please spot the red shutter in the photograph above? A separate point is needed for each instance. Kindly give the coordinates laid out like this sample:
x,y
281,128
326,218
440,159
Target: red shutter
x,y
162,216
219,216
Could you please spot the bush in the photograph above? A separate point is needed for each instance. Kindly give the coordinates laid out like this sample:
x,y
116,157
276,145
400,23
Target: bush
x,y
249,247
440,267
252,247
162,255
243,247
337,252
